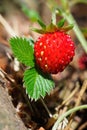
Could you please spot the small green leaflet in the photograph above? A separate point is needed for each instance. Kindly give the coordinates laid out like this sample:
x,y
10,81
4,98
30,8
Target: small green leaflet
x,y
36,84
23,50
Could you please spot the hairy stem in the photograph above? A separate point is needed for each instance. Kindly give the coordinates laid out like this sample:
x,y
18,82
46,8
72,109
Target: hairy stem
x,y
54,16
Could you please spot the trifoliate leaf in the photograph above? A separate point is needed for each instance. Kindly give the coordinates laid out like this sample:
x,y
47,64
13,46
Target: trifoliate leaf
x,y
36,84
23,50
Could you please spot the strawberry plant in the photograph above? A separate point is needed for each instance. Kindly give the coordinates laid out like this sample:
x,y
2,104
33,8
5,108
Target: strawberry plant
x,y
50,54
36,84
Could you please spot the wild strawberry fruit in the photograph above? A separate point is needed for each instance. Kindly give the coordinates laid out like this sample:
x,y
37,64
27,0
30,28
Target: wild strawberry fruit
x,y
83,61
54,51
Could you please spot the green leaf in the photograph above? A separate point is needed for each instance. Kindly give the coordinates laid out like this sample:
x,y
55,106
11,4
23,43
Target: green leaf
x,y
23,50
61,23
37,84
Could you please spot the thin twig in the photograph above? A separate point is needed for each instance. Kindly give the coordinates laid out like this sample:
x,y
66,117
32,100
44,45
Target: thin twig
x,y
68,99
46,108
6,76
80,95
83,126
7,26
83,89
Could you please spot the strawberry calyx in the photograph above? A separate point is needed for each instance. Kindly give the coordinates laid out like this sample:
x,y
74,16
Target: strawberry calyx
x,y
54,49
53,26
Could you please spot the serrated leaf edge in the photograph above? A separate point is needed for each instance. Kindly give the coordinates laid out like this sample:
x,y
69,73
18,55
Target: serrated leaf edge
x,y
40,90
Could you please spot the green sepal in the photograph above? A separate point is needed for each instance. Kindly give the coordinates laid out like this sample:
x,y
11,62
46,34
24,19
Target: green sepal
x,y
67,28
41,31
61,23
51,28
41,23
37,84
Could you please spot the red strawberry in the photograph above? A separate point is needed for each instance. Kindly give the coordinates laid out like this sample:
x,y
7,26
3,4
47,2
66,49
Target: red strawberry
x,y
83,61
54,51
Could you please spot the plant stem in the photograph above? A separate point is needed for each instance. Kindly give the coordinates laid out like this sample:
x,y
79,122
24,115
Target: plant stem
x,y
64,4
46,108
54,16
66,114
68,16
